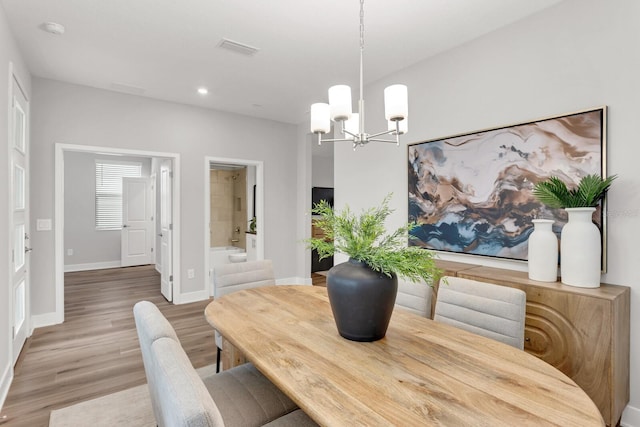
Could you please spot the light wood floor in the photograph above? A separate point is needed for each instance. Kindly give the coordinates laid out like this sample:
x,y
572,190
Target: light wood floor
x,y
95,351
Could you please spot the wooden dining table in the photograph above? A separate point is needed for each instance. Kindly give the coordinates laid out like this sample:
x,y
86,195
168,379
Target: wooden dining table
x,y
422,373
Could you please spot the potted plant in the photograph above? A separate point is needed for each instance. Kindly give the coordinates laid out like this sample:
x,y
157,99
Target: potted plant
x,y
554,193
362,291
580,239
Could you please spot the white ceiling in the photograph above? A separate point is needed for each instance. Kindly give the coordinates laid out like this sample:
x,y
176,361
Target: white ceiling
x,y
166,49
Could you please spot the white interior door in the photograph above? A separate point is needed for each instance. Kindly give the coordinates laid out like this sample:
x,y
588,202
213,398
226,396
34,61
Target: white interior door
x,y
137,222
19,219
166,231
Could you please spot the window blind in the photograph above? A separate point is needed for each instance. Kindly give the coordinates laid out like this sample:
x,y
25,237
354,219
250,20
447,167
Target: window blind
x,y
109,192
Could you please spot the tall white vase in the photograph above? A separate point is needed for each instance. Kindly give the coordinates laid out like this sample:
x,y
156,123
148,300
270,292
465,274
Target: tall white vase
x,y
543,252
580,249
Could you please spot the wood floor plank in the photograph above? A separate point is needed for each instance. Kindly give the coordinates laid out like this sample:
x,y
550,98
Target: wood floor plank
x,y
95,351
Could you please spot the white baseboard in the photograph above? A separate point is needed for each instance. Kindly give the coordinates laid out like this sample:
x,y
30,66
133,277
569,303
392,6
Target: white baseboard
x,y
5,383
294,281
41,320
92,266
159,268
191,297
630,417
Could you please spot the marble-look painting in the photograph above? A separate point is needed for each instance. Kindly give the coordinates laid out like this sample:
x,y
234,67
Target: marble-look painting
x,y
473,193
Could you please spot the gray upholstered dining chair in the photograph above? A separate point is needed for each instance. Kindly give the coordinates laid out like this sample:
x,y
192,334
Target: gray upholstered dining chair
x,y
493,311
240,396
234,277
414,297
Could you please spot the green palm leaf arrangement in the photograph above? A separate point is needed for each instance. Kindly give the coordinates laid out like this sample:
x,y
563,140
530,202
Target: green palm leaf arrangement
x,y
362,238
554,193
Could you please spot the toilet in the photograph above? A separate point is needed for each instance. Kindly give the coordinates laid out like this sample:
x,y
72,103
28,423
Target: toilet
x,y
238,257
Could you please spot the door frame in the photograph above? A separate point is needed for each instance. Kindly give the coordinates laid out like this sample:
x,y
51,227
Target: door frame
x,y
28,324
166,265
259,165
60,150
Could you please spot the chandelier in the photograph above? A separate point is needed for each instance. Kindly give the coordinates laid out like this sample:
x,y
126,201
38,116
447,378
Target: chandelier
x,y
352,124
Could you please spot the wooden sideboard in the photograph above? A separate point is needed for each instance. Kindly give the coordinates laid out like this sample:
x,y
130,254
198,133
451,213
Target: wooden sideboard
x,y
582,332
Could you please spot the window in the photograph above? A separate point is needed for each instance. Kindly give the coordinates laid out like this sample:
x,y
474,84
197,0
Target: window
x,y
109,192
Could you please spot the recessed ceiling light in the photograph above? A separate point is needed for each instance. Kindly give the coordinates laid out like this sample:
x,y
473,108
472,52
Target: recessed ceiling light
x,y
203,90
53,28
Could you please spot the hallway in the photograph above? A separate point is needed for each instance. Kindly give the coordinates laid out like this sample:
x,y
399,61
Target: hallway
x,y
95,351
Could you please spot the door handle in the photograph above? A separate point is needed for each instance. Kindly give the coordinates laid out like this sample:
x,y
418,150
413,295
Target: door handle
x,y
26,249
160,234
124,225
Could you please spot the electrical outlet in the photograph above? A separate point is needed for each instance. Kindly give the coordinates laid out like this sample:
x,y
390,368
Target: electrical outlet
x,y
70,252
191,273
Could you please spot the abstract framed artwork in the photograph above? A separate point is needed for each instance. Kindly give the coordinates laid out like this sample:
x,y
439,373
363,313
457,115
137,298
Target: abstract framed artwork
x,y
472,193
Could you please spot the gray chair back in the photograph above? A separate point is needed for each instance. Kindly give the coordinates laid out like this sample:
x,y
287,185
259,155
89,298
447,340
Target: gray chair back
x,y
234,277
493,311
151,325
183,399
414,297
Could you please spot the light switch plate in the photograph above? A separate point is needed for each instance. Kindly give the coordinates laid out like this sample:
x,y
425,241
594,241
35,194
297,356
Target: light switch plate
x,y
43,224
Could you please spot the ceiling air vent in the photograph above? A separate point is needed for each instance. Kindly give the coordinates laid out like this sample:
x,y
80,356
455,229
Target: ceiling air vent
x,y
238,47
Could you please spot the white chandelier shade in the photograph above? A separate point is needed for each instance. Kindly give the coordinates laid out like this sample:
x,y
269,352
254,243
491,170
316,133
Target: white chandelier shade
x,y
340,102
320,118
395,102
339,109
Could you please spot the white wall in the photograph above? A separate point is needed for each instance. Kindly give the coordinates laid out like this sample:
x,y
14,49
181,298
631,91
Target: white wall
x,y
9,53
576,55
303,205
71,114
90,246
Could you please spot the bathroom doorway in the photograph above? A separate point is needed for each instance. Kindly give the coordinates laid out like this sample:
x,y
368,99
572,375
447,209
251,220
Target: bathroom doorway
x,y
228,201
233,213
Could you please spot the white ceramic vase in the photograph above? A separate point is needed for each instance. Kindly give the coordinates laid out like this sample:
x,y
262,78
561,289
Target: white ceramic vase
x,y
580,249
543,252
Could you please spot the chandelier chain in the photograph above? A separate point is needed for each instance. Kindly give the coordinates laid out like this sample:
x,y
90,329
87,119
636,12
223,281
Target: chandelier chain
x,y
361,24
322,113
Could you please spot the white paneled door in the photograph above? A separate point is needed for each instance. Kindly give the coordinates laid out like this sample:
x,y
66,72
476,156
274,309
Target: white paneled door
x,y
19,218
137,222
166,231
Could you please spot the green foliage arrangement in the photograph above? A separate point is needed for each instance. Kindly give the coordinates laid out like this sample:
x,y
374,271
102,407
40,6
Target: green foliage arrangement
x,y
362,238
554,193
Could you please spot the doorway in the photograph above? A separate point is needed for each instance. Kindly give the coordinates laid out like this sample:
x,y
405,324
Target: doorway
x,y
230,205
63,150
234,210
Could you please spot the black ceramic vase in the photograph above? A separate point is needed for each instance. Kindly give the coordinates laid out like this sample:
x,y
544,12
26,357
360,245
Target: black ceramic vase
x,y
361,299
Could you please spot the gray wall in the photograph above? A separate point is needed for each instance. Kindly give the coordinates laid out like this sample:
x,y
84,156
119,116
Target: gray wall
x,y
576,55
70,114
90,246
8,53
322,171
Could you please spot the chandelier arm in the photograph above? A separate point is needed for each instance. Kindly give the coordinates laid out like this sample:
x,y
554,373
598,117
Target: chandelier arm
x,y
386,132
353,135
335,140
391,141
